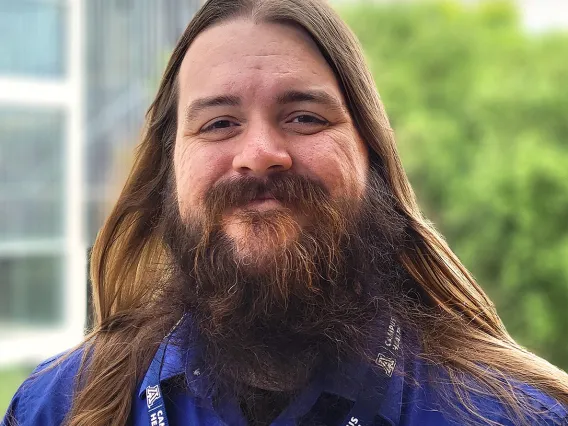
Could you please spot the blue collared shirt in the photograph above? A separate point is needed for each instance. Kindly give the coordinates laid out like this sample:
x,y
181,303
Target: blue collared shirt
x,y
45,398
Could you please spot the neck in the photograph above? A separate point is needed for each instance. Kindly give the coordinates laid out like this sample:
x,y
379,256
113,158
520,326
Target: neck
x,y
260,407
272,376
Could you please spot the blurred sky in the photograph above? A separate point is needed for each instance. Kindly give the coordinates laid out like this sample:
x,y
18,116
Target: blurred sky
x,y
544,14
538,15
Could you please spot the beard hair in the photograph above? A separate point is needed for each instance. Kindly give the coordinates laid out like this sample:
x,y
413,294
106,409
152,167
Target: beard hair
x,y
313,302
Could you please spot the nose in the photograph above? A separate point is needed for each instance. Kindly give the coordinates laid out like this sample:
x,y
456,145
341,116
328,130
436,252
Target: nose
x,y
263,151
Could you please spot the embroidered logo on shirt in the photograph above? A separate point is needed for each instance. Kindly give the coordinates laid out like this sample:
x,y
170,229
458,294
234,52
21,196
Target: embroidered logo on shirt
x,y
152,395
386,363
393,335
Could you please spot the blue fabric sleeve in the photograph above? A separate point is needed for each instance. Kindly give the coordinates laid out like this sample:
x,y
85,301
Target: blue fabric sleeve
x,y
46,396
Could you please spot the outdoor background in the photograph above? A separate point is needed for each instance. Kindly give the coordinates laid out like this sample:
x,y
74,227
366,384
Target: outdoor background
x,y
477,93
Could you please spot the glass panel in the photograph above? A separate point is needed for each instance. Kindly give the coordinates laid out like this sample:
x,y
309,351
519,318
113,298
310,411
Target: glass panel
x,y
32,291
32,38
32,159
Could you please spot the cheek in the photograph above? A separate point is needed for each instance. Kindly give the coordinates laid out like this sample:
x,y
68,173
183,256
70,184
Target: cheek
x,y
340,161
196,170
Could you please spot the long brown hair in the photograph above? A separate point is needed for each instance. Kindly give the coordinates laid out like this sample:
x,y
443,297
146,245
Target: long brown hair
x,y
467,337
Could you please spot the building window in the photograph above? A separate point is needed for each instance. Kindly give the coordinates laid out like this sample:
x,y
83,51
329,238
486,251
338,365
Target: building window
x,y
32,173
32,291
33,34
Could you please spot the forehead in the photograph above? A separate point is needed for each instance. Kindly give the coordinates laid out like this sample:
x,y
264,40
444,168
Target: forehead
x,y
255,59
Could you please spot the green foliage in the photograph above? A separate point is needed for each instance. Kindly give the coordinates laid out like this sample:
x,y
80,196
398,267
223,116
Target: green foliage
x,y
480,109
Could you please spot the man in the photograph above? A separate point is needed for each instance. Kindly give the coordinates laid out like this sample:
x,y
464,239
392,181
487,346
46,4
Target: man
x,y
266,262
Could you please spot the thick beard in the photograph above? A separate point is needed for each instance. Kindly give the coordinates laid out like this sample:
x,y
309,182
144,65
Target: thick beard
x,y
316,302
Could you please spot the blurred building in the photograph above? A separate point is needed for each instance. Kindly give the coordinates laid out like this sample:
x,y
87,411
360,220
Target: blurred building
x,y
76,77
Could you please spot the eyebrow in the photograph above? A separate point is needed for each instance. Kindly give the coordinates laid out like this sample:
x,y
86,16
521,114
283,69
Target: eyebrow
x,y
195,107
288,97
316,96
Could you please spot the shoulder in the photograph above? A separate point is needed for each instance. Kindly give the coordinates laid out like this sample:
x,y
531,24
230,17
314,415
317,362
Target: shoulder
x,y
547,409
534,406
461,400
45,397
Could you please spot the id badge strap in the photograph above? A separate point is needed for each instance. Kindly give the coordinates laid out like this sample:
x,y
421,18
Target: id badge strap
x,y
154,399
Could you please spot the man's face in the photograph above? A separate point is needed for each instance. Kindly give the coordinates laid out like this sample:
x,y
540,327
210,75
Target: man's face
x,y
257,100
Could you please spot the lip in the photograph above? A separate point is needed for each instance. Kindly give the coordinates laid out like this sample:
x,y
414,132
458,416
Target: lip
x,y
264,203
267,196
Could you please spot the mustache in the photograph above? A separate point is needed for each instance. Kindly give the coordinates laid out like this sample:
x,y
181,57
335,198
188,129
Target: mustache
x,y
292,190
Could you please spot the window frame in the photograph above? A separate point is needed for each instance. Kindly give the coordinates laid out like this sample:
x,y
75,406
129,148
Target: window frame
x,y
66,92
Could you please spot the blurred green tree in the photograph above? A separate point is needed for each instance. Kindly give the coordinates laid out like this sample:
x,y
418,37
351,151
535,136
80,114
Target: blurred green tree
x,y
480,109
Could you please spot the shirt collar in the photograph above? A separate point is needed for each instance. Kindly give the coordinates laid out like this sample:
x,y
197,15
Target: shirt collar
x,y
345,381
174,363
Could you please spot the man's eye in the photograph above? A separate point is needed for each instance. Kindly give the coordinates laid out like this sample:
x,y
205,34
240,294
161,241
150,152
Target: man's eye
x,y
309,119
219,125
